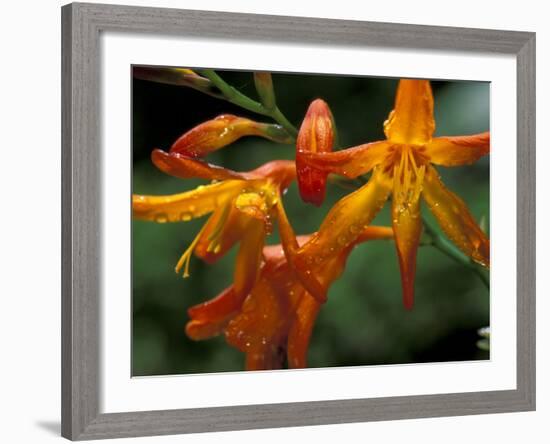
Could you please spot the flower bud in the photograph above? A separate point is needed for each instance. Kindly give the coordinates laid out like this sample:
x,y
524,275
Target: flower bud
x,y
221,131
317,136
264,86
176,76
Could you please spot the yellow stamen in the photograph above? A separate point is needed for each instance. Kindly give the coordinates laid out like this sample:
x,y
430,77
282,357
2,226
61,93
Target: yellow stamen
x,y
419,176
186,256
219,226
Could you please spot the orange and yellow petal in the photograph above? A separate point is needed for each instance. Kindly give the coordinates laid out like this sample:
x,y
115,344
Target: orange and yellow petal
x,y
455,219
411,122
183,207
407,227
406,221
260,329
375,232
339,232
249,257
291,246
300,331
348,218
224,228
279,172
351,162
185,167
460,150
200,330
210,318
223,130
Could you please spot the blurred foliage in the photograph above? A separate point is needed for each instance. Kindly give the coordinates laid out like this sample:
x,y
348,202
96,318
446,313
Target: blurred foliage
x,y
364,322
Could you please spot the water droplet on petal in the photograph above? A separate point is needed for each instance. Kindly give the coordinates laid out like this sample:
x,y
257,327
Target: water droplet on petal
x,y
185,216
161,218
342,240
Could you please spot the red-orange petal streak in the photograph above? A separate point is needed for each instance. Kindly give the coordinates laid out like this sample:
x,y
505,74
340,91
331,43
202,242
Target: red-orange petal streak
x,y
184,167
300,331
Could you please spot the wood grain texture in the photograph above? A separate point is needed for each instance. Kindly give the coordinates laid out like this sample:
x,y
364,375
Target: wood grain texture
x,y
81,232
81,206
526,221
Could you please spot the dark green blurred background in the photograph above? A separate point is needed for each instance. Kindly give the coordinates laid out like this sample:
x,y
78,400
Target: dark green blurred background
x,y
364,322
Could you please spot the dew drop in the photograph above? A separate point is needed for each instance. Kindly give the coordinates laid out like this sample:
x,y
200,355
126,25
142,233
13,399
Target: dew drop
x,y
161,218
185,217
342,240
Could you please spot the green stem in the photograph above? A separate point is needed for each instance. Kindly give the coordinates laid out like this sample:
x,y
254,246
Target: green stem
x,y
234,96
280,118
443,245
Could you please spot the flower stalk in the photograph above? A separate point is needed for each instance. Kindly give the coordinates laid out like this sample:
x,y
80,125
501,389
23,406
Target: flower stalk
x,y
234,96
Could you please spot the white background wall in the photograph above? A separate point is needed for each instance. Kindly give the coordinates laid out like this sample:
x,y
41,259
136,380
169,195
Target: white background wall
x,y
30,222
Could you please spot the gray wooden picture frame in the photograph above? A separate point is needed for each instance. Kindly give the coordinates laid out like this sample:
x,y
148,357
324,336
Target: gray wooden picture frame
x,y
81,231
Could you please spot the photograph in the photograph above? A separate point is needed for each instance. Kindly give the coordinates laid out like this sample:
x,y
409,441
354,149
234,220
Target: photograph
x,y
303,220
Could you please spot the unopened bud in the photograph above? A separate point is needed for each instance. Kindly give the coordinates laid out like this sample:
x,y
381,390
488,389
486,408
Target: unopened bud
x,y
264,86
317,136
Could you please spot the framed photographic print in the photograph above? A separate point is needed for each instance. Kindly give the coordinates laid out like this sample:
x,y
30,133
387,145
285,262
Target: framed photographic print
x,y
351,206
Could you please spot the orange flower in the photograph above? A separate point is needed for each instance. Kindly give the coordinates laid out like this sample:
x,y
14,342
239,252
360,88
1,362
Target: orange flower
x,y
316,136
277,317
223,130
242,207
402,167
